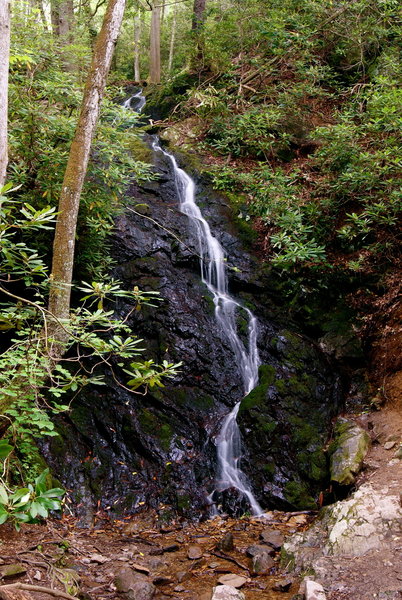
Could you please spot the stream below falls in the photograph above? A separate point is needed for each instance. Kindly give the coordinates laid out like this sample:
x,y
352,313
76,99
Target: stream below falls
x,y
242,427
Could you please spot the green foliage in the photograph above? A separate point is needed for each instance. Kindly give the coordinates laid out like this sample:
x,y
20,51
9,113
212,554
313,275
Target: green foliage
x,y
29,504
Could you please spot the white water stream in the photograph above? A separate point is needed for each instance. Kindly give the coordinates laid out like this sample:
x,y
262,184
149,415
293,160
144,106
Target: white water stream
x,y
213,274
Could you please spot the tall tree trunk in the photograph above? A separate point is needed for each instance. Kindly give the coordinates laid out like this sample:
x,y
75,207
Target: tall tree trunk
x,y
4,62
64,240
172,38
197,27
137,36
198,15
155,43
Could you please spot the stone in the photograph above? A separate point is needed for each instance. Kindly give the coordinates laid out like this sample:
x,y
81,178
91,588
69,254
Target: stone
x,y
162,580
13,570
171,548
314,591
183,576
273,538
352,527
99,558
125,579
255,549
348,450
142,590
389,445
227,592
233,580
261,564
194,552
140,568
227,543
282,585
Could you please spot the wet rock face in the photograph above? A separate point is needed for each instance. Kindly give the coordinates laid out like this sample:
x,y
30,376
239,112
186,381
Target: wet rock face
x,y
285,422
128,449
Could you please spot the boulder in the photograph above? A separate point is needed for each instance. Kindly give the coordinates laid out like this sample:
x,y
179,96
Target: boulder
x,y
261,564
352,527
347,451
314,591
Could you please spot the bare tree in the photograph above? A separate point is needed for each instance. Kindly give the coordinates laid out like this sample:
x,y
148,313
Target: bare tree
x,y
4,62
64,240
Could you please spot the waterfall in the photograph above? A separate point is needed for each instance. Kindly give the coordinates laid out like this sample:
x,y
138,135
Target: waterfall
x,y
214,275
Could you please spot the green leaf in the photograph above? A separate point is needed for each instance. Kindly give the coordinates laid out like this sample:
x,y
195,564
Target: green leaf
x,y
3,494
40,482
5,449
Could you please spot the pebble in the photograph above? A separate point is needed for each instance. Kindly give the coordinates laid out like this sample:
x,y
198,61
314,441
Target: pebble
x,y
194,552
233,580
171,548
283,585
389,445
227,592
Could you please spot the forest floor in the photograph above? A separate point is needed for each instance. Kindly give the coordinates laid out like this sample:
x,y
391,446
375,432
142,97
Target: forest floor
x,y
186,560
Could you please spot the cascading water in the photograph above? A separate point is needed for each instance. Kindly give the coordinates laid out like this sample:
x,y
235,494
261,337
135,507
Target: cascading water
x,y
213,273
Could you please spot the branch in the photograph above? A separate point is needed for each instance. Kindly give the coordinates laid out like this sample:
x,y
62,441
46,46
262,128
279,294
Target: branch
x,y
37,588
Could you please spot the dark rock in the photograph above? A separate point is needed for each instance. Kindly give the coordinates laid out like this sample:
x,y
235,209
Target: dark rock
x,y
161,447
255,549
155,551
285,422
227,543
171,548
261,564
162,580
272,537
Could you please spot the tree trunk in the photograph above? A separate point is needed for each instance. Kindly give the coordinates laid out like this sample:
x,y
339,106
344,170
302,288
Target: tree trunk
x,y
4,62
197,28
155,43
64,240
198,15
137,36
172,38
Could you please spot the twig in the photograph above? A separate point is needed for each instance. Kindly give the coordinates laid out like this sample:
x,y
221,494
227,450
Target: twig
x,y
230,559
37,588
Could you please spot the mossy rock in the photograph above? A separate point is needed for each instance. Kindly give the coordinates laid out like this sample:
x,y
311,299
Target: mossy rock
x,y
347,451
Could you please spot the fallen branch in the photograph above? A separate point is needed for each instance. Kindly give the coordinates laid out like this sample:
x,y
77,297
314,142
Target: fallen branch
x,y
37,588
230,559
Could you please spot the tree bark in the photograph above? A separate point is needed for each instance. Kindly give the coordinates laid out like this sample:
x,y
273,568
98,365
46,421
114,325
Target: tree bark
x,y
172,38
155,43
198,15
137,36
4,63
197,27
64,240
